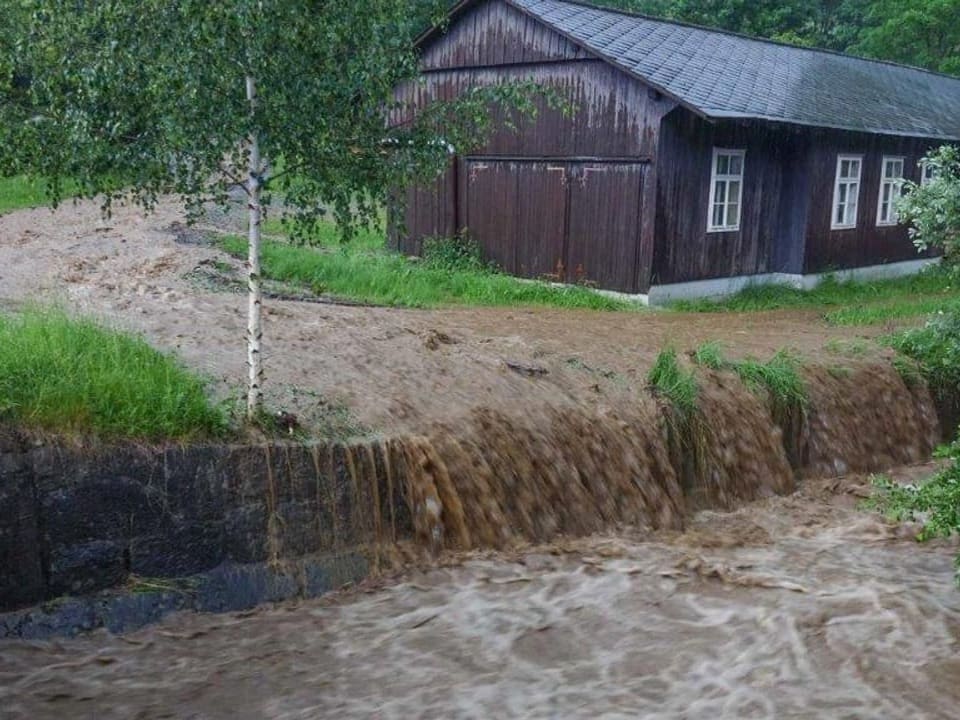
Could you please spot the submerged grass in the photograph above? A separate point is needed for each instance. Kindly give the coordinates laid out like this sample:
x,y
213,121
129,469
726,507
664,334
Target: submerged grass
x,y
73,376
364,271
848,302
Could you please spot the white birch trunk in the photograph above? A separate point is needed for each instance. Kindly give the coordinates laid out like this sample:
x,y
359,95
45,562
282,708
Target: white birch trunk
x,y
255,294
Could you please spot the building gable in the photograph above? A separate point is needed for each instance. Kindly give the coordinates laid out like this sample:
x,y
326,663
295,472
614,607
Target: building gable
x,y
492,33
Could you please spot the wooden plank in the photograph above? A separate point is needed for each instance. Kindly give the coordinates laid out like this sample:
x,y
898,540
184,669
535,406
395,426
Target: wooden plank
x,y
493,33
605,220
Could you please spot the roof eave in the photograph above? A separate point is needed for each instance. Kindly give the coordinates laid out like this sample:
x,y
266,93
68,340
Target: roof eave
x,y
729,115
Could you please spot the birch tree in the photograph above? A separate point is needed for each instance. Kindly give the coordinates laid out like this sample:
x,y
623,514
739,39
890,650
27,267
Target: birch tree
x,y
133,100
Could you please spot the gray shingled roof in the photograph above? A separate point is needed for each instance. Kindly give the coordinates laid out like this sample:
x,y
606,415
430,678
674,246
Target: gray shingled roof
x,y
724,75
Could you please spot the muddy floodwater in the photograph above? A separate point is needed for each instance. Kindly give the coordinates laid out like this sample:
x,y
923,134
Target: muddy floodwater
x,y
795,607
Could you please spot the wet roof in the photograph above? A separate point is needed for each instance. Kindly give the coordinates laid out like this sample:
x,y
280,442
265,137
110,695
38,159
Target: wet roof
x,y
726,75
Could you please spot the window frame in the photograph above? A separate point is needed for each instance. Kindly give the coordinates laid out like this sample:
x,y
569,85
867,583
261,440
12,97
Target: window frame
x,y
896,183
927,167
837,181
726,178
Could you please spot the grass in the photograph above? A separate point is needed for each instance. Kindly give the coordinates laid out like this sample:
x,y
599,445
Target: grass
x,y
779,376
19,192
847,302
935,350
364,271
677,384
77,377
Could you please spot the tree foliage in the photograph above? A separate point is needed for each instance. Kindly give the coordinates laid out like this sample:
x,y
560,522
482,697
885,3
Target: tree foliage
x,y
933,209
924,33
194,98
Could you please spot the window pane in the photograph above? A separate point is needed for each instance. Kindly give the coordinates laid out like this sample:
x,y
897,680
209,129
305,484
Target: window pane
x,y
852,206
842,194
733,214
723,164
854,168
733,190
736,165
841,214
887,187
718,215
844,168
720,193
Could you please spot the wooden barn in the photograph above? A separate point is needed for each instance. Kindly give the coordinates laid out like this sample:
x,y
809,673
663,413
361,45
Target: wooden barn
x,y
695,161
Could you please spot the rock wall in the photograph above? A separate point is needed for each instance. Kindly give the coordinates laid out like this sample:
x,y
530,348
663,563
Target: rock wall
x,y
75,521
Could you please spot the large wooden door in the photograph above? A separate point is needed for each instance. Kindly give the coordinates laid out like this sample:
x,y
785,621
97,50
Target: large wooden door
x,y
604,227
565,220
515,210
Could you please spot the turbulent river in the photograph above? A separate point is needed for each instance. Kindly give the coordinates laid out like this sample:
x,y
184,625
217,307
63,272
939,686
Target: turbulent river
x,y
790,607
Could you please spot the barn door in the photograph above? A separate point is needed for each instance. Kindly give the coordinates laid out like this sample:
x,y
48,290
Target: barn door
x,y
515,210
604,230
567,220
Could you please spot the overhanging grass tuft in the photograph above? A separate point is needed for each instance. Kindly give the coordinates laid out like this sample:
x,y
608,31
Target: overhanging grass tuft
x,y
675,383
779,377
72,376
358,272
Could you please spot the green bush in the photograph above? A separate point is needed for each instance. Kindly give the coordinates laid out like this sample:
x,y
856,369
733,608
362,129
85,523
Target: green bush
x,y
459,253
933,210
71,376
935,503
936,349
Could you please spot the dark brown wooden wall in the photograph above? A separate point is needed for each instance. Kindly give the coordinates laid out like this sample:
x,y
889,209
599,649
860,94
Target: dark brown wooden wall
x,y
614,126
787,200
771,226
867,244
496,34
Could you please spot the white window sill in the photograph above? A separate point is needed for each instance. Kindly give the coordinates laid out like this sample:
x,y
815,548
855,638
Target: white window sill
x,y
843,227
888,224
732,228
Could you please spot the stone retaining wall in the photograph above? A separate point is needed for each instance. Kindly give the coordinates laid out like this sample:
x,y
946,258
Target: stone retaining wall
x,y
73,521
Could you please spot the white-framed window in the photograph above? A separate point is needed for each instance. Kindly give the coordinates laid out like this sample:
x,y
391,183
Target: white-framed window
x,y
846,192
928,173
726,190
891,188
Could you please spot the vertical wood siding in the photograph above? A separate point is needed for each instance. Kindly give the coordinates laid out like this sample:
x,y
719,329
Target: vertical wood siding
x,y
561,195
770,235
494,33
568,221
868,243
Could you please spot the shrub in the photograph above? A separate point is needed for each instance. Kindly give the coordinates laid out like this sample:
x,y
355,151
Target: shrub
x,y
936,503
459,253
936,349
933,210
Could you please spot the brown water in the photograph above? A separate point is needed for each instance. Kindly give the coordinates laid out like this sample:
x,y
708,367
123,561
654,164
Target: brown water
x,y
796,607
790,606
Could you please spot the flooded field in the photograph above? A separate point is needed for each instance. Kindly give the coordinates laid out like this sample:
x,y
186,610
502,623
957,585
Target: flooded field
x,y
791,607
